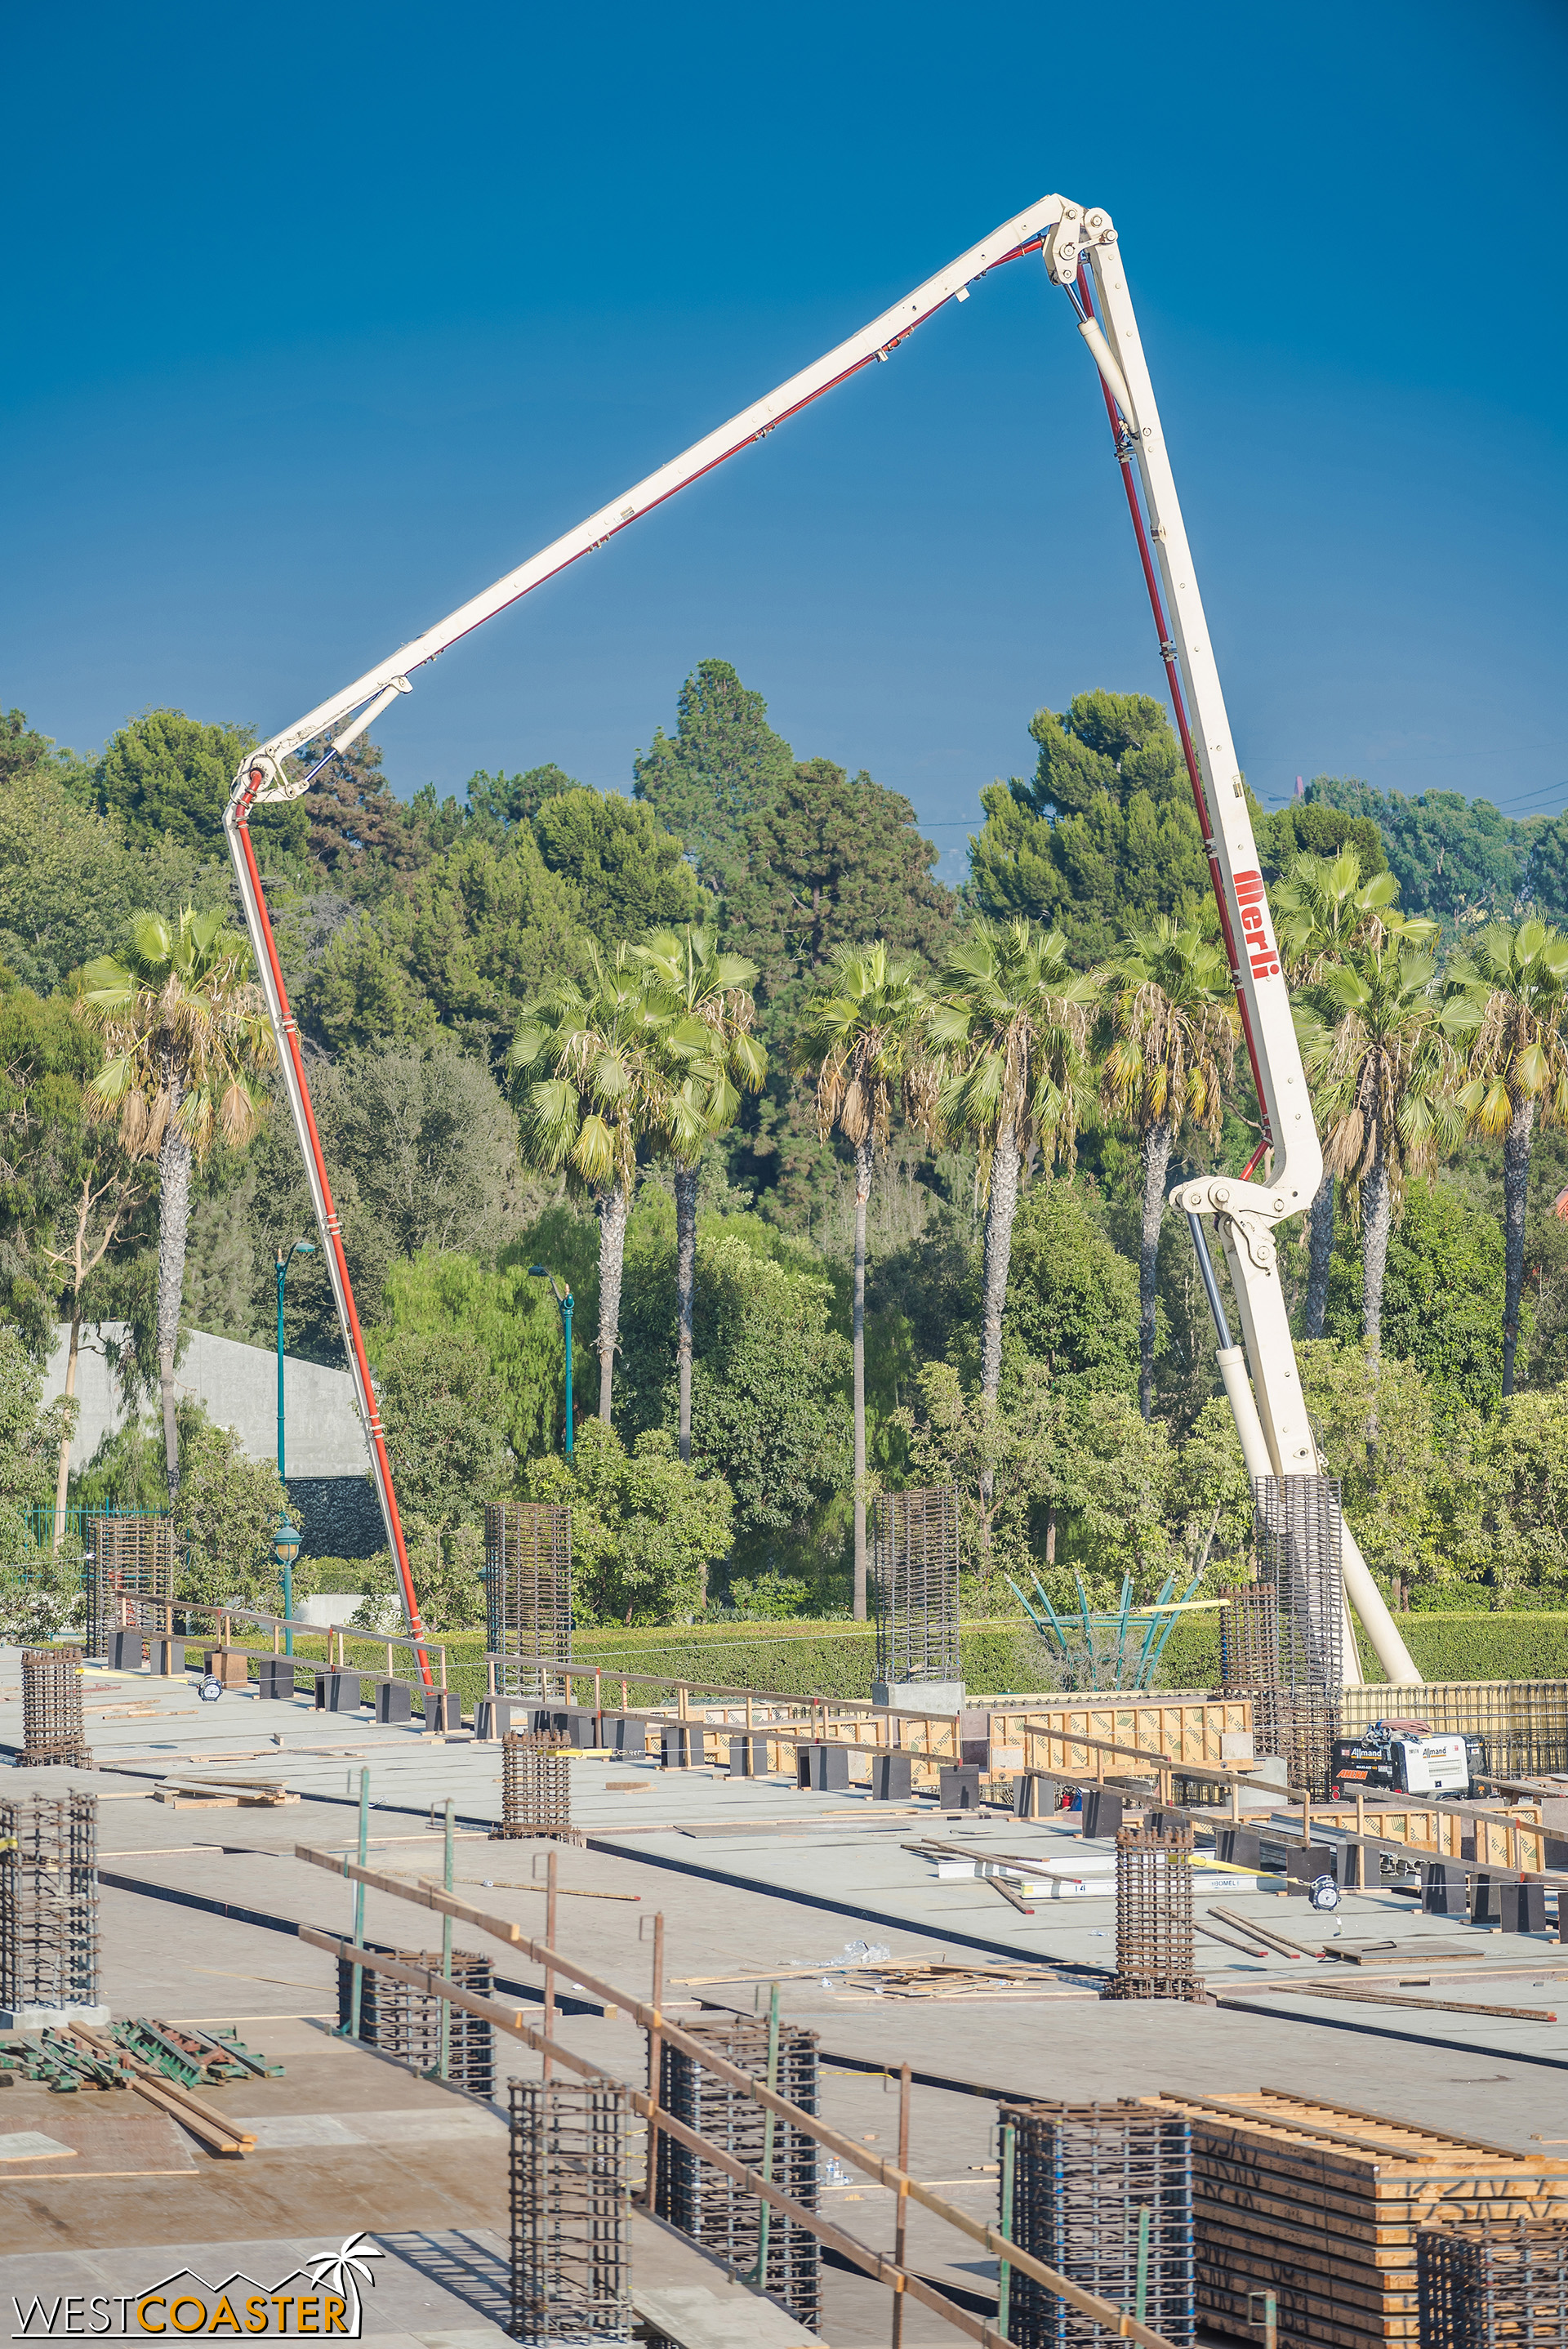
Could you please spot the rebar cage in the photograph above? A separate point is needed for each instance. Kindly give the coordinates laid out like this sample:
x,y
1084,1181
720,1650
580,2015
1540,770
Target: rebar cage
x,y
711,2207
1154,1945
528,1595
571,2254
1299,1535
1489,2285
52,1709
49,1901
535,1790
1084,2177
135,1560
914,1567
399,2019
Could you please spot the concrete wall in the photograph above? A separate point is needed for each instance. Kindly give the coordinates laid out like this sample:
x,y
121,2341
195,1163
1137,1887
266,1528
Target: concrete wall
x,y
238,1387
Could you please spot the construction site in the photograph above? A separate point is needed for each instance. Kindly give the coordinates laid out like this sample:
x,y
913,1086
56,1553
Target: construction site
x,y
509,1999
743,2022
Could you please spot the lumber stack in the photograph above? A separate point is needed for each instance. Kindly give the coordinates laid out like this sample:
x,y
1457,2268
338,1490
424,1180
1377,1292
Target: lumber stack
x,y
1322,2205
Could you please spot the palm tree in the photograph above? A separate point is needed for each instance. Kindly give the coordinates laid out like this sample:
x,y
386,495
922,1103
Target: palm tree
x,y
860,1044
1323,907
1508,998
704,1001
1011,1028
185,1032
595,1077
1168,1039
1383,1073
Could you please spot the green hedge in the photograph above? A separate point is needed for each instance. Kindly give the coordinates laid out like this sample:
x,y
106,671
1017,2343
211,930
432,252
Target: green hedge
x,y
836,1660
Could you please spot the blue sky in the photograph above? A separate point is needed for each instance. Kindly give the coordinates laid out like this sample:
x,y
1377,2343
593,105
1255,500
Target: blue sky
x,y
321,318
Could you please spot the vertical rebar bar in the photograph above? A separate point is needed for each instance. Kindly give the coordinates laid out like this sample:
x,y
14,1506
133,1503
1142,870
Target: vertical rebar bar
x,y
901,2208
356,1992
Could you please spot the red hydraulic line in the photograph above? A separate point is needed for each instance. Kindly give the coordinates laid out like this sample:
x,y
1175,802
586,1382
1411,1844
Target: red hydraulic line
x,y
1174,676
334,1239
1254,1161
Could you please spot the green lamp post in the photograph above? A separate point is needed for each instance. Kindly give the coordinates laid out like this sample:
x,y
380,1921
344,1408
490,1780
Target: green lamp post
x,y
285,1558
564,1299
285,1549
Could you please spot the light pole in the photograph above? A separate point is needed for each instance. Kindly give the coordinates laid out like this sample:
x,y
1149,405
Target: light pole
x,y
285,1549
286,1552
563,1299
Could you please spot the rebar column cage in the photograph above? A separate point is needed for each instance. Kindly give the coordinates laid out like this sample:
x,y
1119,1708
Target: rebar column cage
x,y
535,1790
1491,2285
570,2253
914,1567
1154,1945
399,2019
49,1901
52,1709
1083,2176
1298,1531
134,1560
711,2207
528,1596
1248,1660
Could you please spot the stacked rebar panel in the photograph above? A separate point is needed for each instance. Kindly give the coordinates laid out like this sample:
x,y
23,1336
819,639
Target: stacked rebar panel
x,y
52,1728
1084,2175
571,2276
135,1558
535,1789
914,1567
713,2209
1299,1535
528,1596
49,1901
399,2019
1154,1945
1493,2286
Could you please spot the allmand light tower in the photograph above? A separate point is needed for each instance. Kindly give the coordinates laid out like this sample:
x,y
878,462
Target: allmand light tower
x,y
1082,257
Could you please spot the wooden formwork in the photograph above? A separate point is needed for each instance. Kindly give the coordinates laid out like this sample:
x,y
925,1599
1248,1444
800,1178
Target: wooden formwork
x,y
1512,1839
1322,2205
1182,1730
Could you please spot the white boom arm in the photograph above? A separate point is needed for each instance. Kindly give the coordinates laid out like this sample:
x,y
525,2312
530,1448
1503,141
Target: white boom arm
x,y
1079,247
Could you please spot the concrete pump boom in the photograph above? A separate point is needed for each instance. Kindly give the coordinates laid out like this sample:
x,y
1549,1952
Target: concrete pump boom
x,y
1082,256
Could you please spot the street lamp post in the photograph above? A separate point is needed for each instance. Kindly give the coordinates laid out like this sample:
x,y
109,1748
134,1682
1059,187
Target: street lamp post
x,y
286,1552
564,1299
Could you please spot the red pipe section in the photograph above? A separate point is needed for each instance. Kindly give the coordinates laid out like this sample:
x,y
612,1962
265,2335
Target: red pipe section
x,y
1195,774
334,1234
